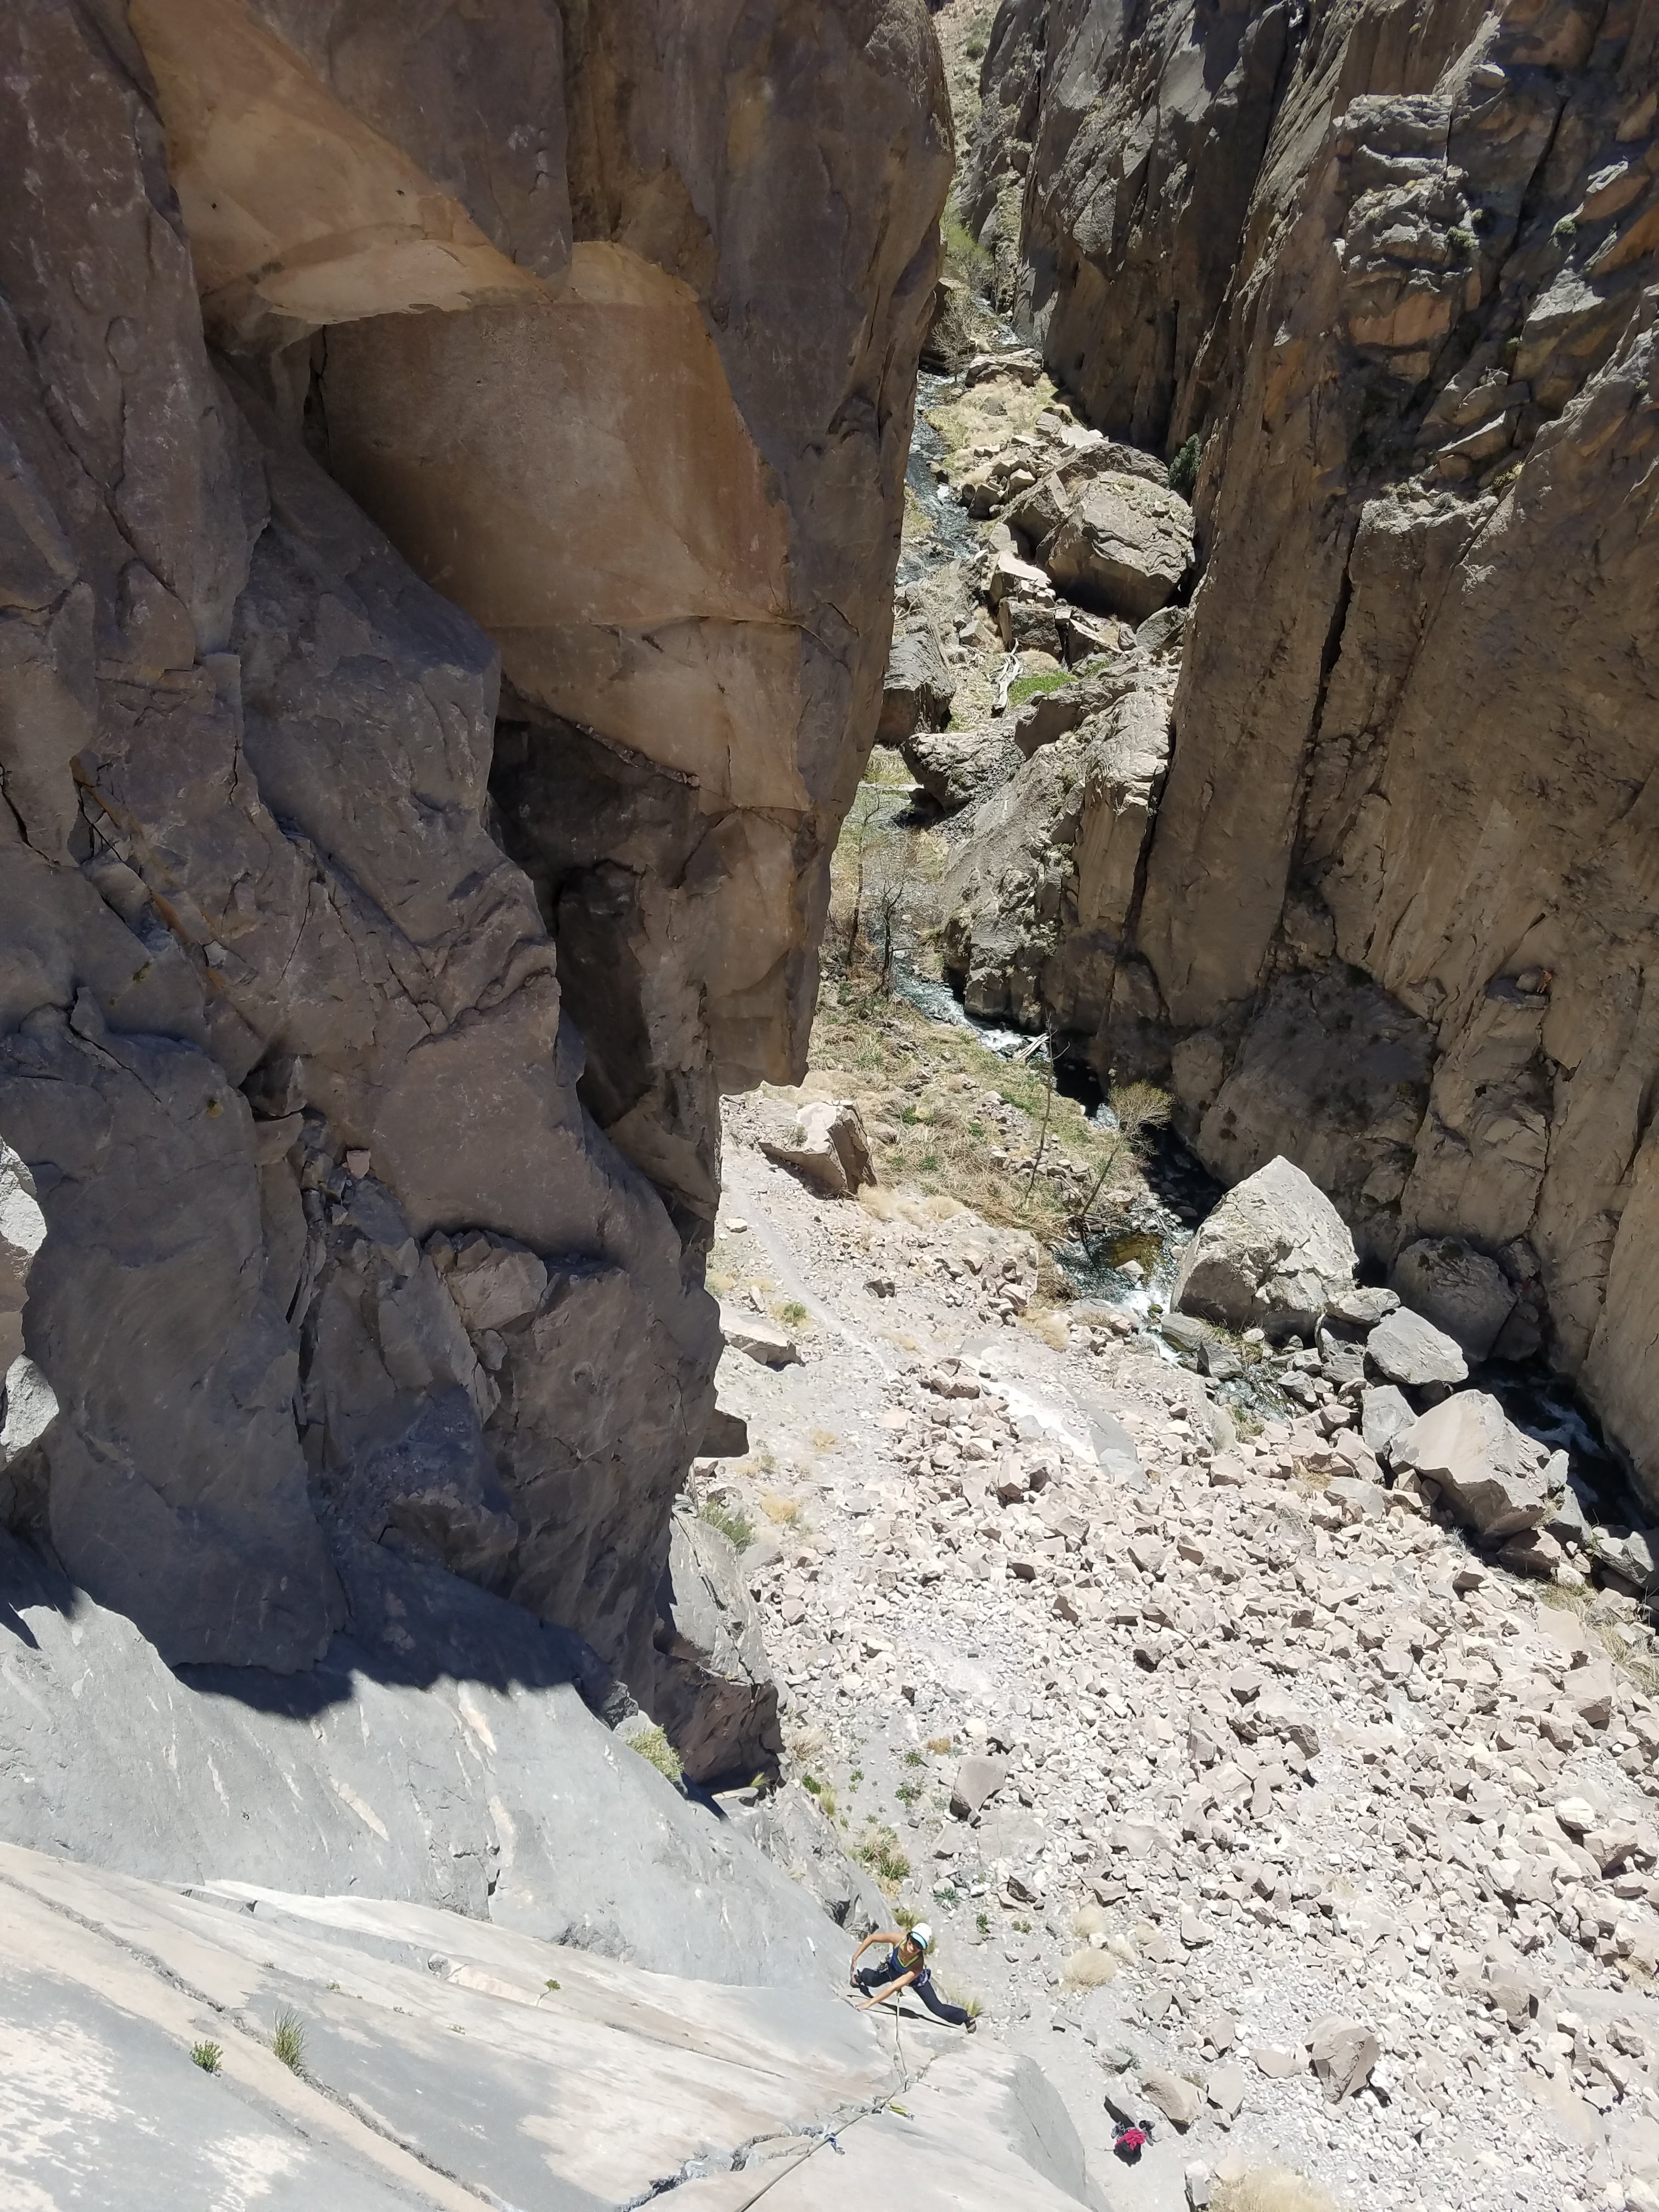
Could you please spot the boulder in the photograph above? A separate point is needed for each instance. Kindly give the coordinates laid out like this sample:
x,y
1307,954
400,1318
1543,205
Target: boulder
x,y
919,688
826,1147
977,1781
1459,1290
1493,1478
1384,1413
1406,1348
761,1340
713,1693
1363,1308
1272,1256
958,767
22,1232
1123,548
1343,2053
1179,2100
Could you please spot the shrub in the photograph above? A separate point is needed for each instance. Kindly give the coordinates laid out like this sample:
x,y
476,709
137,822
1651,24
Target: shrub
x,y
288,2041
733,1524
655,1749
792,1313
1565,231
880,1852
1183,469
1092,1969
207,2056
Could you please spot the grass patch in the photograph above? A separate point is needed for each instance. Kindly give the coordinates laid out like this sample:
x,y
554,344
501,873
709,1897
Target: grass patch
x,y
915,1758
821,1791
655,1750
288,2041
208,2056
786,1511
881,1853
793,1314
732,1523
1031,687
1183,469
965,259
940,1745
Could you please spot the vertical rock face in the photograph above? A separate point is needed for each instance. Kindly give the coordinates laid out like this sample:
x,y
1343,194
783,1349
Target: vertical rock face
x,y
348,357
1394,914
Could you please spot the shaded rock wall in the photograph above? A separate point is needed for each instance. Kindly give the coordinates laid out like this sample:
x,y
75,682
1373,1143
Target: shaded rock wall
x,y
1395,915
346,355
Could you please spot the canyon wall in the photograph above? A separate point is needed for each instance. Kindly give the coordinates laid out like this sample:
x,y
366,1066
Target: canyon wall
x,y
1394,910
369,374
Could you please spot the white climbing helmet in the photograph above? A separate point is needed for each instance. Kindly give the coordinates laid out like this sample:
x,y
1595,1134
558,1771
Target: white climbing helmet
x,y
922,1935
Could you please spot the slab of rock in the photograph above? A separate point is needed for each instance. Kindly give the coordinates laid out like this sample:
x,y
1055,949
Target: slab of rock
x,y
1406,1348
977,1781
1179,2100
1384,1413
919,687
1123,548
1273,1256
826,1145
1343,2053
712,1690
1225,2089
759,1338
1363,1308
1493,1478
958,767
1460,1290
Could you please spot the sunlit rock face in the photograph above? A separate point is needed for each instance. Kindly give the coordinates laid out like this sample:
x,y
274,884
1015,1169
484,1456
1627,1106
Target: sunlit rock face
x,y
453,489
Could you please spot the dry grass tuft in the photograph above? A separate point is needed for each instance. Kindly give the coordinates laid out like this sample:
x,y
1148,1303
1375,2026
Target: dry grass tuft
x,y
1091,1970
1089,1920
1271,2189
786,1511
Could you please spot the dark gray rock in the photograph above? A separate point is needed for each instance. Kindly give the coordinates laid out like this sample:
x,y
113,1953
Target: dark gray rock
x,y
919,688
713,1691
446,1750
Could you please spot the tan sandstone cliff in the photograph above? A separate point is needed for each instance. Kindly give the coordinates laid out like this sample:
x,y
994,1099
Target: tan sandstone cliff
x,y
369,374
1394,910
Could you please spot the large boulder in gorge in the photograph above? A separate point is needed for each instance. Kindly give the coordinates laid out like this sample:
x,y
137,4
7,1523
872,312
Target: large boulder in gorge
x,y
1491,1476
1405,1348
1123,546
824,1142
919,688
1460,1290
1273,1256
958,767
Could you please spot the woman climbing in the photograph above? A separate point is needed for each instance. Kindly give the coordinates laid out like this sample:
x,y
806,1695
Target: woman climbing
x,y
905,1967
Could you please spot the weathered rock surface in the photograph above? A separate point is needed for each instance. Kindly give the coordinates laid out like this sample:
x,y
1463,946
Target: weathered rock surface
x,y
918,690
1406,1348
1394,292
447,2062
716,1697
310,1079
957,767
1460,1290
1272,1256
444,1752
824,1142
1123,547
1491,1476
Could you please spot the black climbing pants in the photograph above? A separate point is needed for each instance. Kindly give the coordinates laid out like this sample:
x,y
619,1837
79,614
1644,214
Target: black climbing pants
x,y
873,1980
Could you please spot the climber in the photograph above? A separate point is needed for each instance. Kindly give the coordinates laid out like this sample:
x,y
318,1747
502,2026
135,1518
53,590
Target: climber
x,y
1131,2139
905,1967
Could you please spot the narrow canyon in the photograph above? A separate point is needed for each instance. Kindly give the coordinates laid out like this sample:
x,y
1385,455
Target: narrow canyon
x,y
826,1104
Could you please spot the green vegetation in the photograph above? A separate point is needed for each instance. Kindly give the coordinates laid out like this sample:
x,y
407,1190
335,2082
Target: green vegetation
x,y
208,2056
880,1852
965,259
982,1922
1183,469
655,1749
793,1314
288,2041
1031,687
550,1985
915,1758
1565,231
732,1523
1461,243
